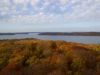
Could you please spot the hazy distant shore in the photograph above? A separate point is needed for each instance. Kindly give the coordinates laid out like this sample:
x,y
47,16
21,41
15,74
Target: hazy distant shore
x,y
58,33
12,33
71,33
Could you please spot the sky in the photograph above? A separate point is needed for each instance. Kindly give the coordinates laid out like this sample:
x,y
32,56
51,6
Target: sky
x,y
49,15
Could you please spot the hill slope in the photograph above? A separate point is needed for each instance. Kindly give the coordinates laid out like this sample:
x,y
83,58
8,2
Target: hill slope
x,y
38,57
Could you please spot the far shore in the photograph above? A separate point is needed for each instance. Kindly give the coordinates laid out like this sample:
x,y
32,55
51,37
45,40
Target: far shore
x,y
71,33
57,33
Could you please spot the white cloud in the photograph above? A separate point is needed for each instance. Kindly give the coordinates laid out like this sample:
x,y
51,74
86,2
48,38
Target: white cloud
x,y
21,1
4,7
86,10
39,18
34,2
63,2
25,2
78,10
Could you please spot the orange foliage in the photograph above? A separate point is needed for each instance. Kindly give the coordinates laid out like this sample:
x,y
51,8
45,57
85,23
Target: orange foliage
x,y
38,57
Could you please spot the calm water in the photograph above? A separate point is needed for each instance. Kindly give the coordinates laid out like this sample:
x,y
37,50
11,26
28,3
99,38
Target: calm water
x,y
80,39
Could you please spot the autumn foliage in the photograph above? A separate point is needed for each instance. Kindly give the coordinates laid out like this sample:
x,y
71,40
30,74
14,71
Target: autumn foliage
x,y
39,57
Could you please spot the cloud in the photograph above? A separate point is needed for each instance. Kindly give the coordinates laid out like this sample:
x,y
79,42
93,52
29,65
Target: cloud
x,y
43,11
20,1
4,7
34,2
39,18
63,2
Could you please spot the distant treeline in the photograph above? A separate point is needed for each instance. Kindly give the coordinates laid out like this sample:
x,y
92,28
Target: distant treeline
x,y
11,33
72,33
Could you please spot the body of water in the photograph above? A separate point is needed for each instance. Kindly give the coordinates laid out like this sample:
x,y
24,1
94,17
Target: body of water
x,y
80,39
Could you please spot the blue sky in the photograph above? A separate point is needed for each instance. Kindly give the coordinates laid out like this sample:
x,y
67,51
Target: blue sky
x,y
49,15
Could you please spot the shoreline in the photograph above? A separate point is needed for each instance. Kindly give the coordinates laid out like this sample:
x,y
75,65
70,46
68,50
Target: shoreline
x,y
35,39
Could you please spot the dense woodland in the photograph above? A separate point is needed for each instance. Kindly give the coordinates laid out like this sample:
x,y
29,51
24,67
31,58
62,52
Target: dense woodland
x,y
39,57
